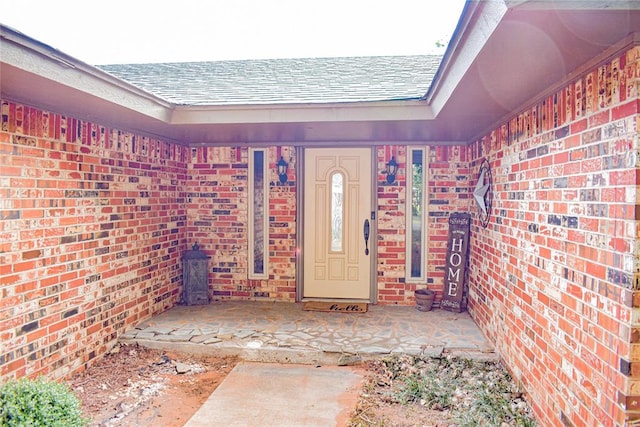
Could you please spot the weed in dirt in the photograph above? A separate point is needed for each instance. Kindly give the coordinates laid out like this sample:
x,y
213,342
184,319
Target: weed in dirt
x,y
456,391
428,388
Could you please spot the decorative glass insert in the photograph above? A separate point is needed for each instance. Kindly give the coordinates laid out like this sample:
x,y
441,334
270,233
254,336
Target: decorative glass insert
x,y
337,211
416,209
258,214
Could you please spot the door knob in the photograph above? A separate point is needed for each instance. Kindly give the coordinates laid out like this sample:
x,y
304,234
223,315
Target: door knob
x,y
366,237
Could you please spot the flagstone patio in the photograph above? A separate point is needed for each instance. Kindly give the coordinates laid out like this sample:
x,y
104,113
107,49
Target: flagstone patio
x,y
285,333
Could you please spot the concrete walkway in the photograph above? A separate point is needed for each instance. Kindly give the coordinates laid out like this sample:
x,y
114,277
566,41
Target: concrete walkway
x,y
285,333
276,395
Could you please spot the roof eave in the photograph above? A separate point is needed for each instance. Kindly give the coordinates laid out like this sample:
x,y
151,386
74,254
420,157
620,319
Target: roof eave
x,y
468,39
36,74
21,53
392,110
507,54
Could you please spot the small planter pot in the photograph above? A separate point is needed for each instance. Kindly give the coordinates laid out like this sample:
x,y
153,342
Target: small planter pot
x,y
424,299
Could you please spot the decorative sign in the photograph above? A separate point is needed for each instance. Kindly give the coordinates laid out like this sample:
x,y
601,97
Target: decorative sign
x,y
456,266
482,193
340,307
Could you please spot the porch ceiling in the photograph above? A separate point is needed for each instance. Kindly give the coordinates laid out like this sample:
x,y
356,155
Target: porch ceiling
x,y
503,55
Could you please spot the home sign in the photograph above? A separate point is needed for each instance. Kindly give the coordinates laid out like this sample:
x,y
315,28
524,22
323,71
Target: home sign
x,y
456,263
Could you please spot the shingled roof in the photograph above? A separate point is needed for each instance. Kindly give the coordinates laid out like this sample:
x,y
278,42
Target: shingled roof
x,y
284,81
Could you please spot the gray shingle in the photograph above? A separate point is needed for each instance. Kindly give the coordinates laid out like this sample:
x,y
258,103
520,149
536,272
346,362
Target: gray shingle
x,y
283,81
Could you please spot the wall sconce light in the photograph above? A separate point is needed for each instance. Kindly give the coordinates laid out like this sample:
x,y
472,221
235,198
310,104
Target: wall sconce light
x,y
392,170
282,170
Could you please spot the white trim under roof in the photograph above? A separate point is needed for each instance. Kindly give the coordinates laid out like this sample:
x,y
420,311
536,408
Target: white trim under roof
x,y
308,113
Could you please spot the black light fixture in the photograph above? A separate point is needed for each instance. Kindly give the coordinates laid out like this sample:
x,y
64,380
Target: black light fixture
x,y
282,170
392,170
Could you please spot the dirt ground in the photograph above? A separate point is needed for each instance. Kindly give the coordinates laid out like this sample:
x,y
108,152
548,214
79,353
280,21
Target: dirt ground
x,y
375,408
445,391
136,386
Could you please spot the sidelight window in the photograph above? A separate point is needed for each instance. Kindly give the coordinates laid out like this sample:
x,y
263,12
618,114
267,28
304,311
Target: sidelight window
x,y
416,245
258,214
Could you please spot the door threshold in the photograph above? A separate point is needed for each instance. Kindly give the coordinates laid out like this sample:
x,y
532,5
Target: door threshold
x,y
355,300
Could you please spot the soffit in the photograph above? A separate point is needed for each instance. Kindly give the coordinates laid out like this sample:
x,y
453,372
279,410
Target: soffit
x,y
531,49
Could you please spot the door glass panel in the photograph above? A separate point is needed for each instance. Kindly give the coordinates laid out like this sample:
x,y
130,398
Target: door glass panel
x,y
337,211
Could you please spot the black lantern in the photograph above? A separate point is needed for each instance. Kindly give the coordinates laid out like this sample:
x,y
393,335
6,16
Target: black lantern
x,y
282,170
392,170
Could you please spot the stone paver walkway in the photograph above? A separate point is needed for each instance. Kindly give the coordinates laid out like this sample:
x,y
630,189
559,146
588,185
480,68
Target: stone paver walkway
x,y
285,333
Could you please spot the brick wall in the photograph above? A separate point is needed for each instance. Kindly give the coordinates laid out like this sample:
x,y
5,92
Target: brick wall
x,y
392,288
552,276
448,182
92,225
217,202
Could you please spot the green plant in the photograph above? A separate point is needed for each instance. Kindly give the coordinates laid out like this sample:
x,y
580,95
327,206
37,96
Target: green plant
x,y
477,393
494,405
427,390
36,403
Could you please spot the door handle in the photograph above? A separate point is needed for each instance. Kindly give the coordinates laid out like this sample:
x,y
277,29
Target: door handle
x,y
366,237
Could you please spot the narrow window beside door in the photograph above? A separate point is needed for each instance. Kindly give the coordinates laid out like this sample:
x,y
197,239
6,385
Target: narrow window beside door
x,y
258,215
416,214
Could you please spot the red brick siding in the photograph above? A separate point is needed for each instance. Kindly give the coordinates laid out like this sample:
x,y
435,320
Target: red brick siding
x,y
92,223
552,276
391,224
447,181
217,202
282,227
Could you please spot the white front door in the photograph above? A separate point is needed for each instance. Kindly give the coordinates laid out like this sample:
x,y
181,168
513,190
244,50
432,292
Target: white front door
x,y
337,209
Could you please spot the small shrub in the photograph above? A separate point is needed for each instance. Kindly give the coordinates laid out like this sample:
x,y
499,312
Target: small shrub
x,y
38,403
